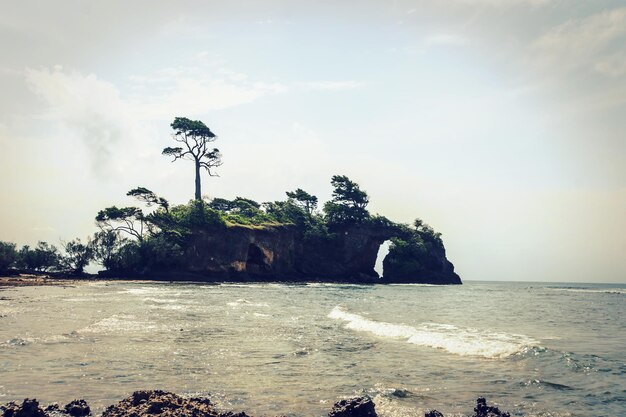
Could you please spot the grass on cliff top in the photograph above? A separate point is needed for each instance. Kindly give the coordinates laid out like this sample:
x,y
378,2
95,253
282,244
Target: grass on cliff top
x,y
259,226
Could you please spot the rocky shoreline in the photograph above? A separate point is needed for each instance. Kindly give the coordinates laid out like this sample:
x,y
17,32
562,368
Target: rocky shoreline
x,y
28,280
167,404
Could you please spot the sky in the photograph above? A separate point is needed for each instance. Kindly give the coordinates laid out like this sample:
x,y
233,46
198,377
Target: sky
x,y
501,123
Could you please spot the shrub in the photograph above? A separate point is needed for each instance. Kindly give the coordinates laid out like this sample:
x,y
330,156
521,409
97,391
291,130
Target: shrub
x,y
43,258
77,256
8,255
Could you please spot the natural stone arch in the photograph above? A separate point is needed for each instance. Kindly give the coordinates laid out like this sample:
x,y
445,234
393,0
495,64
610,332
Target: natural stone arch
x,y
383,251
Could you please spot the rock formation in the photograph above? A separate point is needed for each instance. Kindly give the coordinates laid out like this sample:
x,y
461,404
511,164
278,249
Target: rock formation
x,y
279,253
354,407
167,404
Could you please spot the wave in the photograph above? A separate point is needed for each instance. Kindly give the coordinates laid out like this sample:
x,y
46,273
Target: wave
x,y
243,301
23,341
17,341
464,341
592,290
116,323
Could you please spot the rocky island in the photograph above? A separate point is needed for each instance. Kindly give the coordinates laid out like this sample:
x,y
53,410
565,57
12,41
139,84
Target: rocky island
x,y
220,239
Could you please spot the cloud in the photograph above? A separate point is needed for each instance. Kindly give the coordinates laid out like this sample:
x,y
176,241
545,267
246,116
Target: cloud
x,y
332,85
446,39
613,65
90,107
505,3
197,95
582,43
197,88
104,119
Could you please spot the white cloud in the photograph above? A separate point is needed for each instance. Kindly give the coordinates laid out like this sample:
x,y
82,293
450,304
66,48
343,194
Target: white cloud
x,y
332,85
446,39
195,89
105,121
88,106
613,65
505,3
581,42
197,95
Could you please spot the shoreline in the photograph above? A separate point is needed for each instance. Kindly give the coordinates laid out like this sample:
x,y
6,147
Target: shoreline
x,y
30,280
20,279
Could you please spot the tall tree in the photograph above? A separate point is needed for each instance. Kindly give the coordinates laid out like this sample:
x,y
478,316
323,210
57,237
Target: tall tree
x,y
196,137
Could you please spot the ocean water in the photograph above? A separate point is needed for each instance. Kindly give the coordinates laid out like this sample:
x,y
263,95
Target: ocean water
x,y
534,349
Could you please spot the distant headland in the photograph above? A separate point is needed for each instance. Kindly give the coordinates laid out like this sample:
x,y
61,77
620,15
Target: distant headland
x,y
243,240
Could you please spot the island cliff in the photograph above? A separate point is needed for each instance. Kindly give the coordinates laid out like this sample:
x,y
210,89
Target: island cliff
x,y
242,240
277,253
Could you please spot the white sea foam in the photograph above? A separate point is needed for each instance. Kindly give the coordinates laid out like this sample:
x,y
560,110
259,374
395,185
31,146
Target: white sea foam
x,y
593,290
464,341
116,323
243,302
140,291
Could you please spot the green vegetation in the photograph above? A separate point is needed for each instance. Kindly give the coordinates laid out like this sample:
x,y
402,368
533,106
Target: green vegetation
x,y
8,255
413,249
348,204
43,258
77,256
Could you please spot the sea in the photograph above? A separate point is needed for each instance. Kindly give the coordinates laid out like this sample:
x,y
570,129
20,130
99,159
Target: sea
x,y
533,349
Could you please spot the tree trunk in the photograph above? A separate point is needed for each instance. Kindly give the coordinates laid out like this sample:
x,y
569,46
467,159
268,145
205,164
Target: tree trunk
x,y
198,192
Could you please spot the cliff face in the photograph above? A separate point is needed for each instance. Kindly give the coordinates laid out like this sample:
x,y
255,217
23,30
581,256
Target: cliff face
x,y
279,254
241,252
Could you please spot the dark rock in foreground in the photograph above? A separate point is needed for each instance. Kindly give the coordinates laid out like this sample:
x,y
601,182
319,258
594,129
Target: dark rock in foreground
x,y
28,408
78,408
354,407
167,404
481,410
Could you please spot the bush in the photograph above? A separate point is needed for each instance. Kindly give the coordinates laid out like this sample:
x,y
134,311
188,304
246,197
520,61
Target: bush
x,y
43,258
127,259
8,255
77,256
185,218
106,244
160,253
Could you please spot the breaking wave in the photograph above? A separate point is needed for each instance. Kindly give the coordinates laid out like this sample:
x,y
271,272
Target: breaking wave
x,y
592,290
464,341
119,323
243,302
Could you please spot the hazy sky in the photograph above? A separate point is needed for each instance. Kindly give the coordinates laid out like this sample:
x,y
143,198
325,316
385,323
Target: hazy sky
x,y
502,123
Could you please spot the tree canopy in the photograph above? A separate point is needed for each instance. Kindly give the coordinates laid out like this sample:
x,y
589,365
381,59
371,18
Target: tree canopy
x,y
148,197
303,199
348,204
